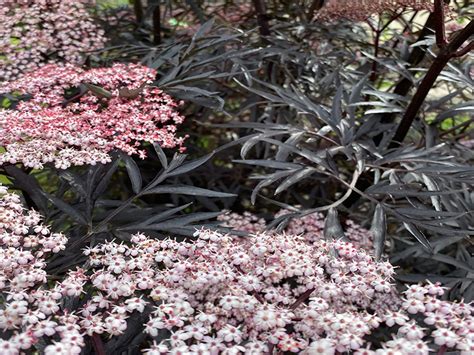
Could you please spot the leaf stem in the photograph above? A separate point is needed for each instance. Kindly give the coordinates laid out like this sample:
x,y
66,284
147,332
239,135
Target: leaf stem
x,y
440,31
304,296
97,344
262,18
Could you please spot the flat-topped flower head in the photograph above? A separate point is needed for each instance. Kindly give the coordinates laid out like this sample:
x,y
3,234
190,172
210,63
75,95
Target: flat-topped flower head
x,y
72,116
363,9
25,243
310,227
36,32
220,294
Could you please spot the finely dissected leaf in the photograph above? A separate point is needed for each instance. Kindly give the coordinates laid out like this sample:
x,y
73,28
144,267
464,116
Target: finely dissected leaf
x,y
29,184
161,155
165,214
269,179
293,179
336,112
170,54
418,235
452,261
187,79
269,163
448,229
465,107
283,152
182,221
427,213
250,143
397,190
75,181
161,216
282,221
187,190
384,110
203,29
187,167
332,226
198,96
170,75
378,230
104,181
177,160
396,67
354,98
133,173
445,242
432,186
66,208
386,96
195,90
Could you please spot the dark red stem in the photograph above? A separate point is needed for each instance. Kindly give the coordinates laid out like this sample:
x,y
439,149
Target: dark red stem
x,y
301,299
440,31
316,5
464,50
97,344
373,74
262,17
254,293
378,31
445,54
418,99
138,9
157,24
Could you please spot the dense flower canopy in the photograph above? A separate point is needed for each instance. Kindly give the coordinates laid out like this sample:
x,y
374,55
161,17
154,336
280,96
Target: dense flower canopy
x,y
35,32
73,117
361,10
218,294
25,243
310,227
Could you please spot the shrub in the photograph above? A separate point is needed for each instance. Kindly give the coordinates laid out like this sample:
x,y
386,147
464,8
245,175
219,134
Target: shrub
x,y
344,112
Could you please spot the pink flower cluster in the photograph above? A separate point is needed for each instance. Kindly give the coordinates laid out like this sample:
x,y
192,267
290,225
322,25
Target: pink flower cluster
x,y
107,109
34,32
310,227
363,9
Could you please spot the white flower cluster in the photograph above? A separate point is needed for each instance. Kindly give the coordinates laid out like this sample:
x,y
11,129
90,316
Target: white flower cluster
x,y
219,294
27,308
310,227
